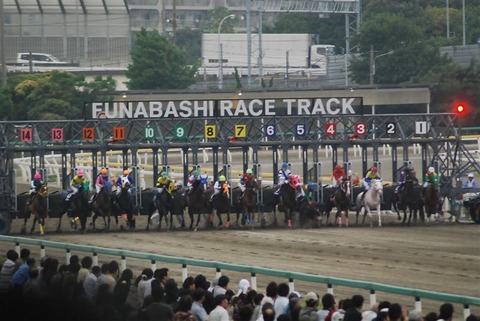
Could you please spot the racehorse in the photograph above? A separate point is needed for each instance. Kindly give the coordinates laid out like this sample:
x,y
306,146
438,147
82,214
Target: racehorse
x,y
79,205
125,203
431,200
37,207
198,200
102,206
407,198
163,204
287,200
249,201
341,201
308,212
221,204
372,200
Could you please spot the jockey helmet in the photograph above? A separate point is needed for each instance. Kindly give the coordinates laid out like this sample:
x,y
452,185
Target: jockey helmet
x,y
470,175
431,169
310,186
38,176
104,171
249,171
196,172
374,169
126,172
338,167
179,184
284,165
80,173
222,178
164,174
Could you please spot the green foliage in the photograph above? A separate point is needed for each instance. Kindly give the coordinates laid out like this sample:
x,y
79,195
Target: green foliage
x,y
190,41
238,80
6,103
53,95
158,64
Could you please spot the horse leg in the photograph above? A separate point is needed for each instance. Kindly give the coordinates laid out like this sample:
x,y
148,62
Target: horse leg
x,y
41,222
379,213
227,225
220,222
34,222
346,217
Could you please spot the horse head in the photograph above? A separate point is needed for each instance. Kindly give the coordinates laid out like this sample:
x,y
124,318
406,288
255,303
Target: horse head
x,y
43,190
377,185
346,186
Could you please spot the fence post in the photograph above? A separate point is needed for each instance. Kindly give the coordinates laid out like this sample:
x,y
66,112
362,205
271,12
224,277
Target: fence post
x,y
373,297
123,264
68,255
95,258
184,272
330,288
253,281
291,284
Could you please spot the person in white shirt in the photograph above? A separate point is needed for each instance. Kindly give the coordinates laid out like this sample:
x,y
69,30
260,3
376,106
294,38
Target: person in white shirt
x,y
220,312
282,301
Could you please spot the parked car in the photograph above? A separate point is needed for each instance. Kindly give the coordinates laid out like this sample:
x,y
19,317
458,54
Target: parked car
x,y
38,59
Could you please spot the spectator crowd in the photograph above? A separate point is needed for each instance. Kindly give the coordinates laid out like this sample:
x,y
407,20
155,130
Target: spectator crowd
x,y
80,291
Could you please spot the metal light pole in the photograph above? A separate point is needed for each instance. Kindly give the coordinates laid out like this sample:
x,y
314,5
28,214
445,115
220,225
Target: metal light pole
x,y
220,53
372,62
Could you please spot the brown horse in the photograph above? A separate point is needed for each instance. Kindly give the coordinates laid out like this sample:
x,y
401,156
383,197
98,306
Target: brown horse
x,y
431,200
37,207
221,204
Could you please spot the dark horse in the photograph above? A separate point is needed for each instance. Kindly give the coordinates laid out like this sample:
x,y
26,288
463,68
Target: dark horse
x,y
37,207
431,200
221,204
125,204
340,201
287,200
407,197
79,205
249,202
198,201
163,204
102,207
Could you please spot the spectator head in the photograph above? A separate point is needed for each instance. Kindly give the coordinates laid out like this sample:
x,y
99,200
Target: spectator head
x,y
113,267
311,299
257,299
395,312
295,295
189,283
222,300
328,301
87,262
223,281
357,301
96,270
30,262
200,281
283,289
163,273
472,317
284,317
245,312
243,286
12,255
198,294
74,267
74,259
347,304
383,305
272,289
127,275
432,316
268,312
147,274
24,254
104,268
185,303
446,311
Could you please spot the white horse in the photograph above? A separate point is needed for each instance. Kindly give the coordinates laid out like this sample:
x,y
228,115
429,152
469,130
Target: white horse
x,y
372,200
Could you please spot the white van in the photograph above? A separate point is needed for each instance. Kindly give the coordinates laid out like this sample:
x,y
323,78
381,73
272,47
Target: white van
x,y
38,59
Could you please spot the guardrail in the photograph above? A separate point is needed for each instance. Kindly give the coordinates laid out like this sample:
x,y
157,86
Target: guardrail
x,y
467,301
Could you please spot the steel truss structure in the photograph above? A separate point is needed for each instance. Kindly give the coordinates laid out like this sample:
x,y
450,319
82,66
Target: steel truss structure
x,y
440,142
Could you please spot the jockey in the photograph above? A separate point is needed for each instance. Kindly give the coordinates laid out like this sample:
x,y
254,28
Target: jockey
x,y
470,183
430,178
35,186
121,179
300,192
310,195
371,174
164,183
218,187
103,179
406,170
75,184
337,178
283,174
246,177
195,177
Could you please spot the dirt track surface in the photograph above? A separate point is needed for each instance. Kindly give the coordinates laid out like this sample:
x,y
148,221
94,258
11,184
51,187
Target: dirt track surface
x,y
439,256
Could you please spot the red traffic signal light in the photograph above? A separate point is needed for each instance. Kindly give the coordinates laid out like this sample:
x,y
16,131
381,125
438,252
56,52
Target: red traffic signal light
x,y
459,108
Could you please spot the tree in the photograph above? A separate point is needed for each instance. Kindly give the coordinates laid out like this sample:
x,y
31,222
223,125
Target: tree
x,y
6,103
215,17
158,64
53,95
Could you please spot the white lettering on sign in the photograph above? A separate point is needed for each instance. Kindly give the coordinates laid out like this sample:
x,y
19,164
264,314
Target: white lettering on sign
x,y
226,108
